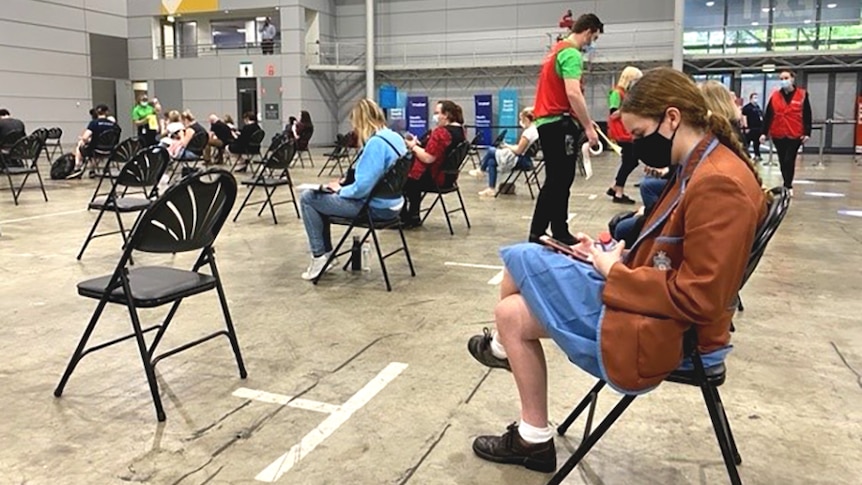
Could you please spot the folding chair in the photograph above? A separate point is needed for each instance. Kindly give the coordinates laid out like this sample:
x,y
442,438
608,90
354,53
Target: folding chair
x,y
249,152
302,146
500,138
9,140
187,217
103,147
196,146
272,174
527,172
53,142
473,152
708,379
451,167
338,154
42,135
23,159
143,172
121,155
391,184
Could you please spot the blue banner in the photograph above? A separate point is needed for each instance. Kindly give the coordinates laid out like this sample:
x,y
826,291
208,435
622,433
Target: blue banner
x,y
509,113
397,121
484,118
417,115
387,96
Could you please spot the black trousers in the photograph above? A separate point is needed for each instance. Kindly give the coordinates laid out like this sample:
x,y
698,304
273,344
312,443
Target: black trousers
x,y
559,145
413,190
787,148
628,164
753,136
267,46
148,137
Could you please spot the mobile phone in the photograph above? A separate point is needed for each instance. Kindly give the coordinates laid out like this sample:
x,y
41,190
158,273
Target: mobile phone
x,y
563,248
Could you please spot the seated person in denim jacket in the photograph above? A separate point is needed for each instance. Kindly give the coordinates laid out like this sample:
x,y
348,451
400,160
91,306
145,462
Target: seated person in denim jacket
x,y
381,148
621,316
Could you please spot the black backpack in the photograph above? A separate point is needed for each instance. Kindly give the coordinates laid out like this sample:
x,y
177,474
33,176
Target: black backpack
x,y
63,166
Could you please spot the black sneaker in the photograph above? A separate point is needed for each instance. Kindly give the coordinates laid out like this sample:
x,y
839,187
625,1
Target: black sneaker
x,y
611,192
480,348
511,449
565,238
624,199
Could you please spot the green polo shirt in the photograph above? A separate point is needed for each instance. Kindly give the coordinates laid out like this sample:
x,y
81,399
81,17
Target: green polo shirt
x,y
142,112
569,65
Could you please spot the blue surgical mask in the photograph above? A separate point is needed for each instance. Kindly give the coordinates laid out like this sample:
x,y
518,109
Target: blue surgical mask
x,y
786,84
436,119
589,49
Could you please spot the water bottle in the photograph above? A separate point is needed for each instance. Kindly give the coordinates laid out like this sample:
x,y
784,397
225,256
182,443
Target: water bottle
x,y
605,241
356,256
366,256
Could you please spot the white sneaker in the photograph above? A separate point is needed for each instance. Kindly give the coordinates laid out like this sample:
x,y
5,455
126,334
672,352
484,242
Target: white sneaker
x,y
489,192
316,267
476,173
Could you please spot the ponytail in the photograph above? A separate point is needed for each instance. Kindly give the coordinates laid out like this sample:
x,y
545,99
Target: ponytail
x,y
720,126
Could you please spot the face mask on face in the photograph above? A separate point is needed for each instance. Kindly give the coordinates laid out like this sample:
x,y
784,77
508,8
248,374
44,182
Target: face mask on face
x,y
654,149
144,102
436,119
786,84
753,100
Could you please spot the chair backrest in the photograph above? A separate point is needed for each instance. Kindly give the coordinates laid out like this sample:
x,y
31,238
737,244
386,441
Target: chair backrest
x,y
775,214
127,149
107,140
41,134
55,133
476,139
145,169
500,137
533,149
199,142
9,140
452,164
26,148
256,139
281,157
393,181
188,216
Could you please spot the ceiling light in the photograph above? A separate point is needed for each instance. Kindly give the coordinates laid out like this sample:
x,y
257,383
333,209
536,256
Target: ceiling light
x,y
806,21
765,9
831,5
710,4
240,31
769,68
171,19
755,23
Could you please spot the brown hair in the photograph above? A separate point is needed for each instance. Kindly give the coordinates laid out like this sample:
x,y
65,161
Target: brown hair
x,y
788,71
663,87
452,111
588,21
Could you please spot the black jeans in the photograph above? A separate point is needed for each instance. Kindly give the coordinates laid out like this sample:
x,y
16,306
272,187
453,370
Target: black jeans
x,y
753,136
559,145
787,148
413,190
628,164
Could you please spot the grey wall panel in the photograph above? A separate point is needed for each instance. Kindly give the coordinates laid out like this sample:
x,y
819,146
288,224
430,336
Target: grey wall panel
x,y
21,59
118,8
141,27
25,85
125,102
109,56
107,24
169,92
147,69
42,38
105,92
202,89
143,8
141,48
270,93
47,14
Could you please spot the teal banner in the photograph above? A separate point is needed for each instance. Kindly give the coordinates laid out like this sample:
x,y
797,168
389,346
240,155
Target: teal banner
x,y
508,114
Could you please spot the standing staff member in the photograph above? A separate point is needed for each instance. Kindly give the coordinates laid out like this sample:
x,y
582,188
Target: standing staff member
x,y
560,107
267,35
788,123
618,133
146,121
754,122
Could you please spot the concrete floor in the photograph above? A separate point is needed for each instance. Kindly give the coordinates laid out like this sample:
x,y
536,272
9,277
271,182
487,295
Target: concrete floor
x,y
794,392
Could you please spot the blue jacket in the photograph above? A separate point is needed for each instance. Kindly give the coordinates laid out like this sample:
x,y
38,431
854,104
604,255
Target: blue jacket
x,y
376,159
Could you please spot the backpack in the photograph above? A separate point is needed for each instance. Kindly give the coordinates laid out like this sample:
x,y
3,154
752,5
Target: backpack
x,y
63,166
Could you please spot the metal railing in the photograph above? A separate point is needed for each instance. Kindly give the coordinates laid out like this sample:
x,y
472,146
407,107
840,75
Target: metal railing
x,y
207,50
746,39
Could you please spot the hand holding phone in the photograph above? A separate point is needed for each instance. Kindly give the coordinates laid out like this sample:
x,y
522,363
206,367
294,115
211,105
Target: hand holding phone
x,y
575,252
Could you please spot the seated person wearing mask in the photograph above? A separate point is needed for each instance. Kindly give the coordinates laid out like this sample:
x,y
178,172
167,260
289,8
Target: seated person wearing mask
x,y
381,148
509,157
180,150
622,315
241,145
221,136
426,170
86,141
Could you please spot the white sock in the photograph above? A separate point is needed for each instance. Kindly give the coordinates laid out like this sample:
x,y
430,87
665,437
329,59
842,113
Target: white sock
x,y
497,349
532,434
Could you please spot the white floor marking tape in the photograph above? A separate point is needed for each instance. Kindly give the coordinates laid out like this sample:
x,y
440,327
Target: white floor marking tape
x,y
271,398
329,425
11,221
850,213
497,279
828,195
593,197
572,215
470,265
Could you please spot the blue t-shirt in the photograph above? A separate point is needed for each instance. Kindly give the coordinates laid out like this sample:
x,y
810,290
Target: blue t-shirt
x,y
99,126
376,159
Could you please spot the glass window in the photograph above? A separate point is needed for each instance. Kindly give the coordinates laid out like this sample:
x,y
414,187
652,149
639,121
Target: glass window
x,y
230,34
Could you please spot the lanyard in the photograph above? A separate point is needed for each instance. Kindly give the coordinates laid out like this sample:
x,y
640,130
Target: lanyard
x,y
682,185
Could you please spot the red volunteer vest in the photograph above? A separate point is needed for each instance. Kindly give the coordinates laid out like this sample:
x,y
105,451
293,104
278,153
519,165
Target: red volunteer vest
x,y
787,117
551,98
616,130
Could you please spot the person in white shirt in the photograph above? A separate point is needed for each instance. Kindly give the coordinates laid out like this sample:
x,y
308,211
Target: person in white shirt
x,y
267,36
509,157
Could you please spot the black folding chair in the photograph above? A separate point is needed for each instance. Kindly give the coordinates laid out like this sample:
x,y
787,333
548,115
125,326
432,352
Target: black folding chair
x,y
121,155
42,135
53,142
302,146
196,147
527,172
9,141
273,173
390,185
339,154
142,172
708,379
102,147
500,138
22,159
250,151
451,167
187,217
473,152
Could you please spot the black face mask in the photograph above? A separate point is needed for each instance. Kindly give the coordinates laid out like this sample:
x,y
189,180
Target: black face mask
x,y
654,149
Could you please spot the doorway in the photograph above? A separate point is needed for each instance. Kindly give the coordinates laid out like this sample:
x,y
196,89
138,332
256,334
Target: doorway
x,y
246,97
